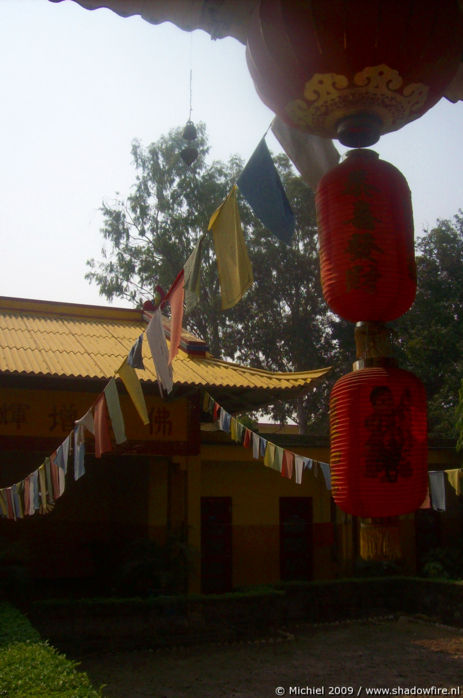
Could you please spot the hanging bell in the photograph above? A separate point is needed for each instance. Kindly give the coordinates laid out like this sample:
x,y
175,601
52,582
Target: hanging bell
x,y
189,154
189,132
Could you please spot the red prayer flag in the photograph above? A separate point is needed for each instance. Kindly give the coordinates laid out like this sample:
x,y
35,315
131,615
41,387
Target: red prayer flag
x,y
247,440
27,495
175,297
102,434
9,502
287,465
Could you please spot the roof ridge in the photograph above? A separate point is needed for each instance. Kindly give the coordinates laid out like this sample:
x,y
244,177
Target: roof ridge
x,y
68,309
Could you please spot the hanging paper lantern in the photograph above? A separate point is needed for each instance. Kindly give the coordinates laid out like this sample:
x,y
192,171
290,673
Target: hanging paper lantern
x,y
189,155
378,442
365,225
353,70
189,132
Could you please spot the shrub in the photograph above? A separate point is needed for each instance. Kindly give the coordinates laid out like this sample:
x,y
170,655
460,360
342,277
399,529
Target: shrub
x,y
443,563
30,667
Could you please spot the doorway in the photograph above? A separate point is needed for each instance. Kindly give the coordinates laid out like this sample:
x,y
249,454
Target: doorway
x,y
296,535
216,544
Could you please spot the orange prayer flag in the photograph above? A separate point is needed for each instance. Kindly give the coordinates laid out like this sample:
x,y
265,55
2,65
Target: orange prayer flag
x,y
102,434
175,297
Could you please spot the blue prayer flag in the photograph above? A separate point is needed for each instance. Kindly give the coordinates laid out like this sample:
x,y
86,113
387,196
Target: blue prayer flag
x,y
261,186
135,358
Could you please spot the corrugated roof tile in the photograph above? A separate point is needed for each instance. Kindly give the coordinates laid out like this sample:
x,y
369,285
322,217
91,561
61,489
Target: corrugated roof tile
x,y
53,339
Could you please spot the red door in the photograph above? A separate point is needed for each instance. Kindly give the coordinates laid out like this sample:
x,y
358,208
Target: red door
x,y
295,538
216,544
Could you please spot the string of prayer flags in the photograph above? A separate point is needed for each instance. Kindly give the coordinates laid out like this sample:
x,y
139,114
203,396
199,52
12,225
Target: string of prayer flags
x,y
133,386
287,463
103,442
312,155
158,346
261,186
114,408
233,264
175,297
192,276
38,490
135,357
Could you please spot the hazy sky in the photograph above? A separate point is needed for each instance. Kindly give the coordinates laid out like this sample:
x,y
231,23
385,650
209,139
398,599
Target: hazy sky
x,y
78,86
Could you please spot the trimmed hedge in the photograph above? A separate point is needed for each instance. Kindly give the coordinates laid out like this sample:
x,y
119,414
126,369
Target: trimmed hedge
x,y
30,667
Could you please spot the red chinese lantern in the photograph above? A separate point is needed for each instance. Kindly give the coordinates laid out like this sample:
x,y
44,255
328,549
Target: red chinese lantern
x,y
365,226
353,70
378,442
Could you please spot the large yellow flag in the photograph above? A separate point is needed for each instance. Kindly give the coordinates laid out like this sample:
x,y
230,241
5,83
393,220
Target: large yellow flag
x,y
133,386
234,267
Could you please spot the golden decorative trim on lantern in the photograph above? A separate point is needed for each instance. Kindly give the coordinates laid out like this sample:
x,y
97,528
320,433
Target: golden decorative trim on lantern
x,y
379,90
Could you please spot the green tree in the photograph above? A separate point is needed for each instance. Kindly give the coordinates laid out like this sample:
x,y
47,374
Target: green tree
x,y
282,323
152,232
430,335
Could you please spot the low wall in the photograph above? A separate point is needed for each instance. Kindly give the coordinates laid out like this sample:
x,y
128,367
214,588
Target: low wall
x,y
77,626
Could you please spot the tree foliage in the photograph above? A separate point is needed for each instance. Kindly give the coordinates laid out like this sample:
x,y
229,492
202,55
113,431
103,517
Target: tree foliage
x,y
430,335
282,323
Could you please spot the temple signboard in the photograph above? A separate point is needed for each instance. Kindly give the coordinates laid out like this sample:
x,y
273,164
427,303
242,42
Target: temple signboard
x,y
50,414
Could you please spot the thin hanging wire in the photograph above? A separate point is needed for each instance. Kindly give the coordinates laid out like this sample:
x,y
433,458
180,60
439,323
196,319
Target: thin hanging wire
x,y
191,94
191,76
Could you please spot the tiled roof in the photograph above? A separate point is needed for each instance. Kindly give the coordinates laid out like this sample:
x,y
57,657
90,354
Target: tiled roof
x,y
64,340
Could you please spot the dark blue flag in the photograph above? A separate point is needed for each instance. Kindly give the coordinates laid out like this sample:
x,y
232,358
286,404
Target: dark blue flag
x,y
135,358
261,186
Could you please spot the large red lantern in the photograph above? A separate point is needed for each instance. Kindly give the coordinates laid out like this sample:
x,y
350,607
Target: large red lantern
x,y
365,227
353,70
378,442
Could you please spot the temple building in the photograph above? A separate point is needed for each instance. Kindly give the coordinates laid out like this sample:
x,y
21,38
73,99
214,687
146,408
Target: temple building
x,y
187,478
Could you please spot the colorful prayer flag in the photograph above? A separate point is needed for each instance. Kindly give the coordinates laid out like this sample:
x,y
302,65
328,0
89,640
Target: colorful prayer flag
x,y
102,436
175,297
325,468
192,276
234,267
312,155
278,459
79,451
114,409
298,468
287,465
158,345
135,357
261,186
133,387
269,455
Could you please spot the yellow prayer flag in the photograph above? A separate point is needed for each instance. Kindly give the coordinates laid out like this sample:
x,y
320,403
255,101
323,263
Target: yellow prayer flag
x,y
233,264
455,478
269,455
133,386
